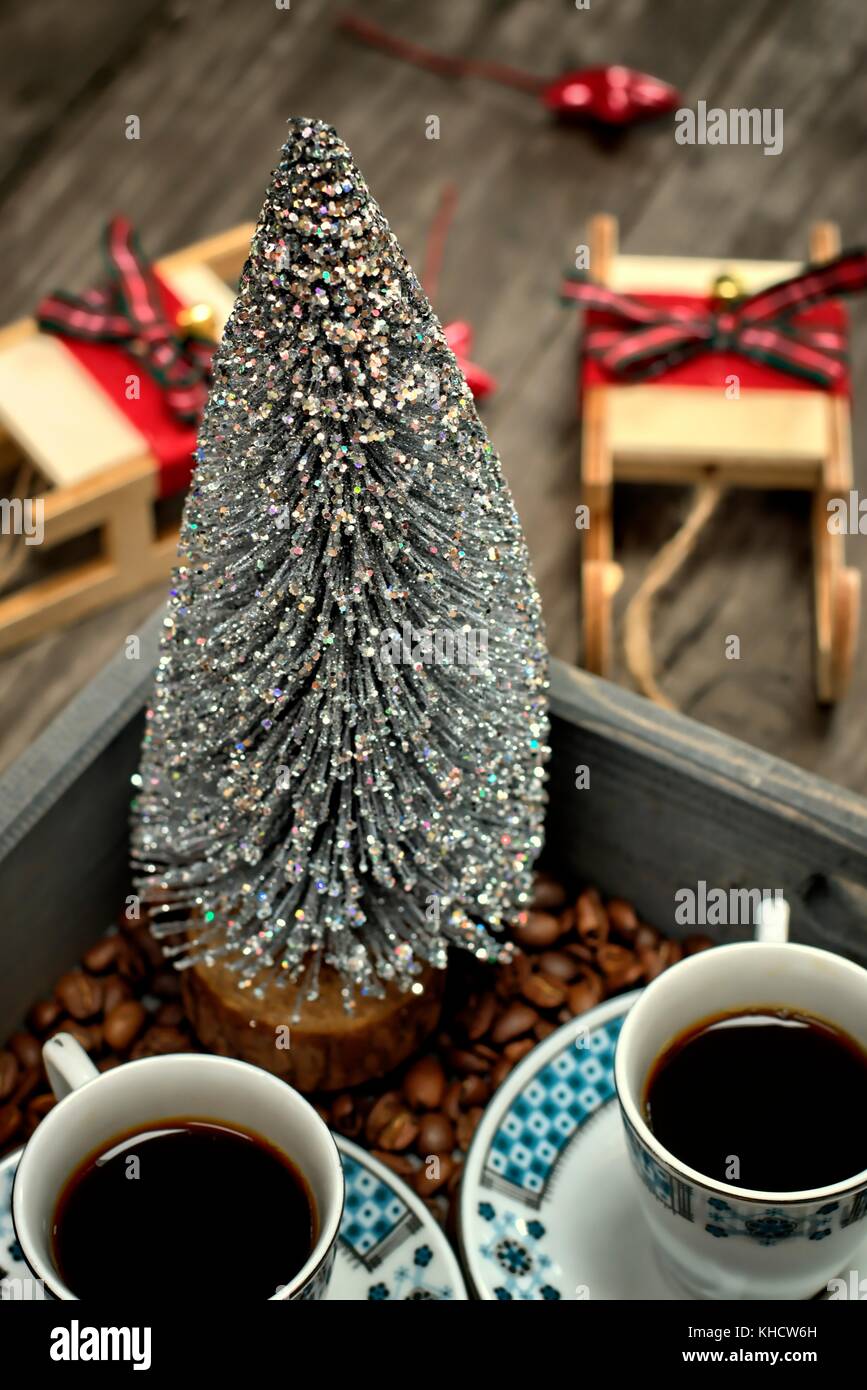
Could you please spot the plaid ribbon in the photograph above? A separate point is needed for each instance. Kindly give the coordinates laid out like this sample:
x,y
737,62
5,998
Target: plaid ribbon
x,y
648,340
128,310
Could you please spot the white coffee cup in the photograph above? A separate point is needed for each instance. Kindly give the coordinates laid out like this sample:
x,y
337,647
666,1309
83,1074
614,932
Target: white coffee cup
x,y
95,1107
714,1240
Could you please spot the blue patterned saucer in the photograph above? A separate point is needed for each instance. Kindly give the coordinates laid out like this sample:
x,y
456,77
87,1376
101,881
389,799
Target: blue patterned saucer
x,y
389,1248
548,1207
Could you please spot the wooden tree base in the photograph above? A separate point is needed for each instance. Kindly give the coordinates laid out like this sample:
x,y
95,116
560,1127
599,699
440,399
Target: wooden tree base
x,y
328,1049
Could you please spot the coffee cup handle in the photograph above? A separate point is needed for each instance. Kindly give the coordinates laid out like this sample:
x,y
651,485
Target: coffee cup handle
x,y
772,919
67,1064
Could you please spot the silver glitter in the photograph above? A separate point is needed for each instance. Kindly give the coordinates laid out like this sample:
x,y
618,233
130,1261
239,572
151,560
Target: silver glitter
x,y
305,798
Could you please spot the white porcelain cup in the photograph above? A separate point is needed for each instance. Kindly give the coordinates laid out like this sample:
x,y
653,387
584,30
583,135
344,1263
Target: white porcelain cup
x,y
714,1240
95,1107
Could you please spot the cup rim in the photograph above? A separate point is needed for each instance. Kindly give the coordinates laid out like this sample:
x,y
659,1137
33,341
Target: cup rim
x,y
328,1231
634,1118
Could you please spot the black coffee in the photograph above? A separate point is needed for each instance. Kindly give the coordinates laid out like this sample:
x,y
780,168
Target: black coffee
x,y
770,1099
184,1207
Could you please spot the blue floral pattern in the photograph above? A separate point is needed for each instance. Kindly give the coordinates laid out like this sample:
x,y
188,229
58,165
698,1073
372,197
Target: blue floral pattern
x,y
513,1246
727,1217
549,1111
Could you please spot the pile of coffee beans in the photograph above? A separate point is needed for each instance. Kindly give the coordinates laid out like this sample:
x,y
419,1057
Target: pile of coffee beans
x,y
122,1002
571,952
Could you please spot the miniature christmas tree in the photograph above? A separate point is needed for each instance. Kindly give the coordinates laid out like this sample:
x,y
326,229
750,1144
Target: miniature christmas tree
x,y
343,762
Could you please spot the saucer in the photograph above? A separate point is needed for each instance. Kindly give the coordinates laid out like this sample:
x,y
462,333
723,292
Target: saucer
x,y
549,1206
389,1248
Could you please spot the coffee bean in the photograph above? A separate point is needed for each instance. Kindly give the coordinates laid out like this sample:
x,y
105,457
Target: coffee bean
x,y
115,991
39,1107
171,1014
123,1024
581,952
452,1186
8,1073
479,1018
646,937
487,1054
548,894
585,992
452,1102
619,965
43,1015
434,1175
671,952
399,1132
345,1116
27,1049
543,1029
468,1123
10,1123
28,1083
159,1041
590,918
516,1019
131,963
467,1063
80,994
166,984
424,1085
622,917
474,1090
558,965
539,930
108,1063
567,920
100,956
516,1050
612,959
511,976
501,1071
384,1109
436,1134
652,962
693,944
88,1037
544,993
140,940
398,1163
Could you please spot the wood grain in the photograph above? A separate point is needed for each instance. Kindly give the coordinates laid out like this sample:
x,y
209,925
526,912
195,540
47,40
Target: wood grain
x,y
213,83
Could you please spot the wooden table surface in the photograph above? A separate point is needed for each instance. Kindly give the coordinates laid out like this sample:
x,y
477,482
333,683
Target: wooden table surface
x,y
213,83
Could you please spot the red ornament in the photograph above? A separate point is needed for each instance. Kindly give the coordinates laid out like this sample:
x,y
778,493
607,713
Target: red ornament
x,y
613,95
459,336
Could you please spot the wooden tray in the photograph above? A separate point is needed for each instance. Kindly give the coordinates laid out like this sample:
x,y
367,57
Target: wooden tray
x,y
669,803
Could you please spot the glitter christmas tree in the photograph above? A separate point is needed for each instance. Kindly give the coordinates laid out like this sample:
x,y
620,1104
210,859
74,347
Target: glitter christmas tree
x,y
343,761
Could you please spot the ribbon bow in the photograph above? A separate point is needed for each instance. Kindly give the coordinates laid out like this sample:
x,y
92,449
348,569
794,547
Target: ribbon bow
x,y
648,340
129,310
